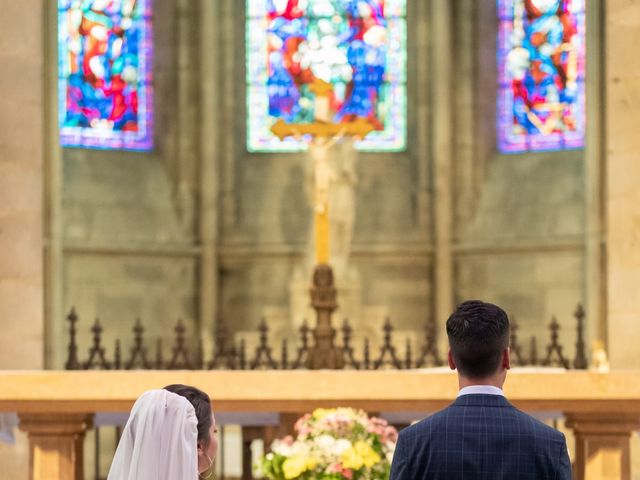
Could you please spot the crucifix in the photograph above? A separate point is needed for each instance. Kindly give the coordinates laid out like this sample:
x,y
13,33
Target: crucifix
x,y
324,133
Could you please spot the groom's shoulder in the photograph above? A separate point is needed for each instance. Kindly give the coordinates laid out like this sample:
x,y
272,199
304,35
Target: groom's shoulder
x,y
426,426
511,418
536,427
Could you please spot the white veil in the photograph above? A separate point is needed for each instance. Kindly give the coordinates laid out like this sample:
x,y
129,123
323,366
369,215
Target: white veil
x,y
159,441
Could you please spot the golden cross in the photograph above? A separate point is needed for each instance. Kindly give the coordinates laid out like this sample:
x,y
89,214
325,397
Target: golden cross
x,y
324,133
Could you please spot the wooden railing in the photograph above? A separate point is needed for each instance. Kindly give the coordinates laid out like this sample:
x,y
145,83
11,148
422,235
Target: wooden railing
x,y
57,408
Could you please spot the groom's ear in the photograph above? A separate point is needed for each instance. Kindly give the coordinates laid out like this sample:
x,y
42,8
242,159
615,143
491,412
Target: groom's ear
x,y
452,362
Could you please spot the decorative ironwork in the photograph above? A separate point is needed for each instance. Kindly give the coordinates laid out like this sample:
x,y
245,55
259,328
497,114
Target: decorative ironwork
x,y
72,361
97,358
429,356
180,358
138,358
159,360
117,356
554,349
366,355
533,351
387,356
223,355
187,352
263,358
303,350
408,363
284,355
580,362
242,355
199,360
516,349
347,349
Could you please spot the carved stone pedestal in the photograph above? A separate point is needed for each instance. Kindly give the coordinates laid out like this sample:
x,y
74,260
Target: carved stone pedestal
x,y
324,353
56,444
602,444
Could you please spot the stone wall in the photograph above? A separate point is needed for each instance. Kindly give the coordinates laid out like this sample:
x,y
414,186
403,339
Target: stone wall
x,y
132,222
519,218
128,222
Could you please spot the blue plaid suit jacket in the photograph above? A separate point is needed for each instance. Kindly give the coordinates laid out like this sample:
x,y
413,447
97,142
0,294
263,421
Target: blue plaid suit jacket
x,y
480,437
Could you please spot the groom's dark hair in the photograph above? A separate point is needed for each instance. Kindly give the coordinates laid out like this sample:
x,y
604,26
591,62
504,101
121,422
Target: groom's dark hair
x,y
201,404
478,334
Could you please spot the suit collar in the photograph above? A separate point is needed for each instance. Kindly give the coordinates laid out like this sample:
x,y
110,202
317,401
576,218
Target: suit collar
x,y
481,400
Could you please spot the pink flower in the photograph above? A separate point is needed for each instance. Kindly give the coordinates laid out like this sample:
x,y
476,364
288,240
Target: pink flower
x,y
336,467
390,434
302,425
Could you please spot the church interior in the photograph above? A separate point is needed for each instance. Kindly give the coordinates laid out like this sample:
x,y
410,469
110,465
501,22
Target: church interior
x,y
282,201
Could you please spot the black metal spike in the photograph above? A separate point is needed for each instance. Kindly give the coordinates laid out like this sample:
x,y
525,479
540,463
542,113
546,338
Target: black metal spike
x,y
72,358
408,362
159,364
97,359
387,357
554,349
580,361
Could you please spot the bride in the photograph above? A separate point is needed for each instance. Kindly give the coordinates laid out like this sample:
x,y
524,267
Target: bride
x,y
170,435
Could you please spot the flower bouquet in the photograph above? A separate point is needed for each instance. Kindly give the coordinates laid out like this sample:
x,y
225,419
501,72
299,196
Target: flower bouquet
x,y
333,444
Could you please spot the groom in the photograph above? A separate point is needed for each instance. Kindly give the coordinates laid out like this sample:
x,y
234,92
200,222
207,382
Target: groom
x,y
481,435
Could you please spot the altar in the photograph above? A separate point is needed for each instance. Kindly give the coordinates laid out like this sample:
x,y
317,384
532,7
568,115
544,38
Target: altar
x,y
56,409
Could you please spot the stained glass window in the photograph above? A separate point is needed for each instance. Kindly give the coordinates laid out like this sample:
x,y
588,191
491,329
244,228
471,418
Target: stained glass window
x,y
105,92
358,46
541,70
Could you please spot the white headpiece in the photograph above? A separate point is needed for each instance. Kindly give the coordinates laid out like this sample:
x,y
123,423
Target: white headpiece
x,y
159,441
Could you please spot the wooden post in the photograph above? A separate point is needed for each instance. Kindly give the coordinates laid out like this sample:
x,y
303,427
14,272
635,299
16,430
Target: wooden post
x,y
602,444
56,444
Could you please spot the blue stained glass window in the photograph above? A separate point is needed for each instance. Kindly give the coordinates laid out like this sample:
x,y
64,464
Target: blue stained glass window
x,y
358,46
541,72
104,74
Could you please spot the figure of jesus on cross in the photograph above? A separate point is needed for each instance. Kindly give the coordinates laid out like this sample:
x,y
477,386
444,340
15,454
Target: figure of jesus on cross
x,y
324,134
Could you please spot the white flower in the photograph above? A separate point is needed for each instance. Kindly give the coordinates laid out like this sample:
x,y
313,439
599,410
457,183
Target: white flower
x,y
281,448
340,446
300,448
325,442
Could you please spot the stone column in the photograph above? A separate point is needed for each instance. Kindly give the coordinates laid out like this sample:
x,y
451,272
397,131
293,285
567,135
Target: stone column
x,y
622,96
443,158
56,443
21,184
209,167
602,445
594,154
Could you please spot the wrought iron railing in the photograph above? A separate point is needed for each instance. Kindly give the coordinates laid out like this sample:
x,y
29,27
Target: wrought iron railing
x,y
228,354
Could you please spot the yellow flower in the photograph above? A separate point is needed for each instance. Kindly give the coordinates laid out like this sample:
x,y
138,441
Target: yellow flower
x,y
361,453
320,413
351,459
296,465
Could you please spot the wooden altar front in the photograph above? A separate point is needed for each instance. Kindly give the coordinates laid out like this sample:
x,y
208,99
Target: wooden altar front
x,y
57,408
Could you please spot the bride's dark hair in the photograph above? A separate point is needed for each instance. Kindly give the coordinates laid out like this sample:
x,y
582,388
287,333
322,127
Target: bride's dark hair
x,y
202,405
